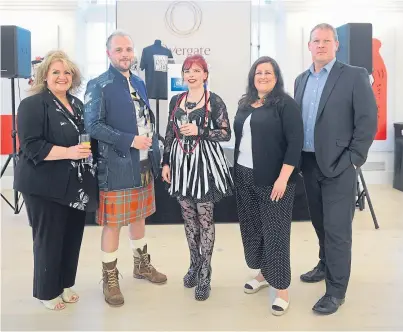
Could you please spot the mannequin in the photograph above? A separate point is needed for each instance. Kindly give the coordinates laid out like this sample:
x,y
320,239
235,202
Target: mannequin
x,y
154,60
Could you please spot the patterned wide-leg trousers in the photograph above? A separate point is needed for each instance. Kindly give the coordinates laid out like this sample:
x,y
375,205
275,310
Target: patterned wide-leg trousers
x,y
265,227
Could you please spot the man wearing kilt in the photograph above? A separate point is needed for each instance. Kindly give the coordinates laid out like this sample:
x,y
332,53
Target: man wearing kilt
x,y
120,121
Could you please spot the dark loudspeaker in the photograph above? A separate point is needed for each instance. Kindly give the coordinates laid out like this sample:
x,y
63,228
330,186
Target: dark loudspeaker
x,y
355,45
15,52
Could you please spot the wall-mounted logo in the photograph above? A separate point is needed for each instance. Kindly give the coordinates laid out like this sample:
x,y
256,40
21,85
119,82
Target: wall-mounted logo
x,y
183,18
177,84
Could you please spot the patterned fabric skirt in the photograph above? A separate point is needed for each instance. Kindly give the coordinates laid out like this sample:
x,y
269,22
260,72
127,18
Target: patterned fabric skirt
x,y
123,207
203,175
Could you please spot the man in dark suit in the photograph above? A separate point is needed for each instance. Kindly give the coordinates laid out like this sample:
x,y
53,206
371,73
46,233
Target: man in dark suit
x,y
340,121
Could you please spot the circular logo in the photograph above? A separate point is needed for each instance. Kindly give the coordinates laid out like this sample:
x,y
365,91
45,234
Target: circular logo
x,y
183,18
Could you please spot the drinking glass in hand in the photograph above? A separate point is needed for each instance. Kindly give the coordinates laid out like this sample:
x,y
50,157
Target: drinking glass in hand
x,y
184,119
150,132
85,139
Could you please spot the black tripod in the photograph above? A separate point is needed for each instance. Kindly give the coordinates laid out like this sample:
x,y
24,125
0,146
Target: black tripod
x,y
14,156
364,194
157,115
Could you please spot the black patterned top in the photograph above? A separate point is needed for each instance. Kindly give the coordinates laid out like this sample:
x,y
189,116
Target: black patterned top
x,y
199,168
82,189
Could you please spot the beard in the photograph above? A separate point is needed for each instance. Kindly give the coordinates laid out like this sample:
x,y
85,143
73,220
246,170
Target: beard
x,y
123,65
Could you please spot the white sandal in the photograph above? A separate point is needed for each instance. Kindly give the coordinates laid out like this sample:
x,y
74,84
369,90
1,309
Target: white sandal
x,y
253,286
70,296
279,306
54,304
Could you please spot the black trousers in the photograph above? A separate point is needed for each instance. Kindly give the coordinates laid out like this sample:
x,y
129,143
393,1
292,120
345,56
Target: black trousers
x,y
332,204
57,232
265,227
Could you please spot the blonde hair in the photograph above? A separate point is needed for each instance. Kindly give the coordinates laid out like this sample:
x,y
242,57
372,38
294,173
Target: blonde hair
x,y
39,84
116,33
324,26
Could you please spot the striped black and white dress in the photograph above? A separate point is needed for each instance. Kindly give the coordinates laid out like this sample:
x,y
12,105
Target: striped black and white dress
x,y
203,175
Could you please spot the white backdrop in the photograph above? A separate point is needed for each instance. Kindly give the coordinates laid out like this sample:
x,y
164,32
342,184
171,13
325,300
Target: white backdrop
x,y
220,30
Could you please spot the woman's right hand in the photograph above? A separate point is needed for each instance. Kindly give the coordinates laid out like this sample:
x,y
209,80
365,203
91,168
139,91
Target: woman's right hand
x,y
166,174
78,151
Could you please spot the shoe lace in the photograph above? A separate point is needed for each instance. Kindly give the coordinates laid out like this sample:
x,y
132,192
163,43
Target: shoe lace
x,y
144,261
112,278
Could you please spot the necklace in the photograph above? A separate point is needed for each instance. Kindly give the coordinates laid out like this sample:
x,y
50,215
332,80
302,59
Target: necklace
x,y
261,101
178,102
189,105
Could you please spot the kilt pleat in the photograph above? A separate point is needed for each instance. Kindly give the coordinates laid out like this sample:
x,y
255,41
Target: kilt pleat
x,y
123,207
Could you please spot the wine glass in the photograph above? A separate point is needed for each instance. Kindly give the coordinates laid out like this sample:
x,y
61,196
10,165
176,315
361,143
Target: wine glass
x,y
85,139
184,119
150,132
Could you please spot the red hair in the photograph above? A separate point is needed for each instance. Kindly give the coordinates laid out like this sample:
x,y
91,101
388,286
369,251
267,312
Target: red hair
x,y
196,59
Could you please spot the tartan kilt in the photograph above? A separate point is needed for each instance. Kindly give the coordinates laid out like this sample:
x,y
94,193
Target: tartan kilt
x,y
123,207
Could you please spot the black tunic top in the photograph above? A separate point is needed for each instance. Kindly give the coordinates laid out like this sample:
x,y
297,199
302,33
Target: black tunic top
x,y
43,122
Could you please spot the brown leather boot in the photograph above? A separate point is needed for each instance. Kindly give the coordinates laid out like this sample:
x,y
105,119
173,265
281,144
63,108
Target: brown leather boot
x,y
144,270
113,295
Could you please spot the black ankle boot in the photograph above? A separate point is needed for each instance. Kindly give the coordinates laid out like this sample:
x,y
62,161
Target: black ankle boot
x,y
202,290
191,277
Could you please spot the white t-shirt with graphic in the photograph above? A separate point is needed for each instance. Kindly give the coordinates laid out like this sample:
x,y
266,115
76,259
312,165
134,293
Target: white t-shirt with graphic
x,y
141,115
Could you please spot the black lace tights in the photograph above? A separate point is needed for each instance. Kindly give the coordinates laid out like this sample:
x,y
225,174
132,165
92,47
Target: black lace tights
x,y
200,234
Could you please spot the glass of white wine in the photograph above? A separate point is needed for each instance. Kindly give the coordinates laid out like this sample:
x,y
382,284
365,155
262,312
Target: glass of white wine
x,y
85,139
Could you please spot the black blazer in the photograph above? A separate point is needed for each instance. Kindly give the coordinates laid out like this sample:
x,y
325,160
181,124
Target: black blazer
x,y
277,139
346,122
39,129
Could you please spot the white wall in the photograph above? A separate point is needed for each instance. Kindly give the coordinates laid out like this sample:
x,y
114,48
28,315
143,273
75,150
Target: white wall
x,y
293,56
224,31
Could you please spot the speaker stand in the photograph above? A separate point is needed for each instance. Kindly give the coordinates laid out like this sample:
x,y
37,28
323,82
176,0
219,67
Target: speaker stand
x,y
364,194
14,156
157,115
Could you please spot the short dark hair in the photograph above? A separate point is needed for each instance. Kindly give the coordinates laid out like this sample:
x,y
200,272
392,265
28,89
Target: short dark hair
x,y
251,94
324,26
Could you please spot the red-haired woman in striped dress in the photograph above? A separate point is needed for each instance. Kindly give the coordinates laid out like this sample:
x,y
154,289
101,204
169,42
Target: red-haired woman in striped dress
x,y
195,167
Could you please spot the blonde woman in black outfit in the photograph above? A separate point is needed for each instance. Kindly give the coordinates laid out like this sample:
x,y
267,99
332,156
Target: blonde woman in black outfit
x,y
57,183
269,137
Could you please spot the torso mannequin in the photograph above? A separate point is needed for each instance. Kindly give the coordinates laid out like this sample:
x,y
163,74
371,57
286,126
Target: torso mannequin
x,y
154,60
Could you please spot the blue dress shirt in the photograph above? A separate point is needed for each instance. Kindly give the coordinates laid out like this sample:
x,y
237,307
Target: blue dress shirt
x,y
310,102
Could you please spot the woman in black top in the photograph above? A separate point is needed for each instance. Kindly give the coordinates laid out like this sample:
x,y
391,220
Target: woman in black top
x,y
56,180
268,143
